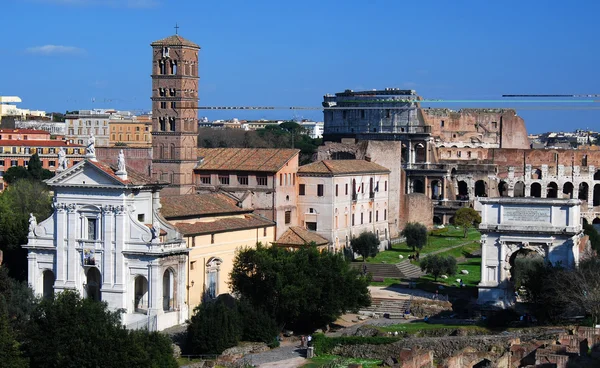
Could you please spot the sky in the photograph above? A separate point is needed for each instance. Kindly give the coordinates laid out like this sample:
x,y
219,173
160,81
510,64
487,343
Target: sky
x,y
60,55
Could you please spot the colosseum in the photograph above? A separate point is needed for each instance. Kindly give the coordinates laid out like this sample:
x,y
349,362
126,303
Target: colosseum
x,y
452,157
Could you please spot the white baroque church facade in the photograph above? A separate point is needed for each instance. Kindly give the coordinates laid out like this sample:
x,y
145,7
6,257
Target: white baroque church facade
x,y
107,240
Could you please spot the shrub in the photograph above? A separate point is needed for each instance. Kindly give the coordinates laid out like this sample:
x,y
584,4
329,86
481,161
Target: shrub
x,y
324,344
258,325
214,327
437,265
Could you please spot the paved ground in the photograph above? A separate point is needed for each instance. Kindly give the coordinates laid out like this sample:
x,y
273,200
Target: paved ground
x,y
288,354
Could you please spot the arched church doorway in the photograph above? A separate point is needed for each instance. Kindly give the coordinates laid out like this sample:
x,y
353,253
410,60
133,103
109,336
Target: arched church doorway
x,y
48,284
93,284
141,294
168,290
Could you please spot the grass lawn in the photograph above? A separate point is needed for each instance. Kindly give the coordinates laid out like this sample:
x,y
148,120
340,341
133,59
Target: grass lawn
x,y
341,362
453,237
417,326
387,282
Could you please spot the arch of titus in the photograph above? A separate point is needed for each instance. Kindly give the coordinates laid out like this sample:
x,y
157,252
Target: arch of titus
x,y
550,227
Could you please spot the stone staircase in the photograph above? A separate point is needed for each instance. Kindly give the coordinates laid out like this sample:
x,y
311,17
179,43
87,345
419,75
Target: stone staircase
x,y
409,270
379,269
392,308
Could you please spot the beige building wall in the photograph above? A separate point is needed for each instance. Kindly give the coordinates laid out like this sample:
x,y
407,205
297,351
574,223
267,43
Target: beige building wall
x,y
286,196
216,253
333,213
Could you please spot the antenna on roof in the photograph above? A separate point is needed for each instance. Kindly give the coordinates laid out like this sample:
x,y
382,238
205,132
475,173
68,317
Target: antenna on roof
x,y
176,28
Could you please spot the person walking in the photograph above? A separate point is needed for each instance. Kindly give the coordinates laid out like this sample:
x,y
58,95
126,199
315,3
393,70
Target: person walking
x,y
309,341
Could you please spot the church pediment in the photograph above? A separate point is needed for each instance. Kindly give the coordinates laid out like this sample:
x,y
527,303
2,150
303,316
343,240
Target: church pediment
x,y
87,173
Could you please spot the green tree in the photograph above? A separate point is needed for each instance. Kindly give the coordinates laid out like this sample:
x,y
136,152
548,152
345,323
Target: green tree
x,y
15,173
366,244
35,169
16,203
258,325
437,265
68,331
467,218
592,233
415,234
18,299
10,352
303,289
214,327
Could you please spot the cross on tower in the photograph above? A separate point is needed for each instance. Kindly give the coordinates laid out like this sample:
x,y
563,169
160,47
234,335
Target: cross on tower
x,y
176,28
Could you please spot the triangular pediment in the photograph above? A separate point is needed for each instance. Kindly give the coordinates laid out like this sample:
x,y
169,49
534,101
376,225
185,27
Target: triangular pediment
x,y
86,173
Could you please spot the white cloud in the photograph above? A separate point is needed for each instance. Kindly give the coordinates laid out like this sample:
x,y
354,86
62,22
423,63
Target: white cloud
x,y
54,50
111,3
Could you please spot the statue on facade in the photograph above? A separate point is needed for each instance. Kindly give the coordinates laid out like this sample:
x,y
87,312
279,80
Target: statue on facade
x,y
62,159
32,223
155,230
121,162
90,149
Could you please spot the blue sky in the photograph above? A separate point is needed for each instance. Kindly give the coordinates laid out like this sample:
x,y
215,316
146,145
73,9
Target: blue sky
x,y
60,54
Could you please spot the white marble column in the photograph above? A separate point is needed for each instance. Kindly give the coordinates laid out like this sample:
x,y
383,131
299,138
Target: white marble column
x,y
33,273
108,272
60,220
73,261
120,236
484,275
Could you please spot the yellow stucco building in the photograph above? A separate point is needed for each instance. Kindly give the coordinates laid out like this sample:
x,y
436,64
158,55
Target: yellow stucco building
x,y
133,133
214,228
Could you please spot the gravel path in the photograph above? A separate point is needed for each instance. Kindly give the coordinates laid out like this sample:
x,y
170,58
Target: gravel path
x,y
282,353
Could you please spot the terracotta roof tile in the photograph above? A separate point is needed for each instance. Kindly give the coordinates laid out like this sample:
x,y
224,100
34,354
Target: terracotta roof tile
x,y
133,177
339,167
197,205
245,159
175,40
248,221
37,143
297,236
24,131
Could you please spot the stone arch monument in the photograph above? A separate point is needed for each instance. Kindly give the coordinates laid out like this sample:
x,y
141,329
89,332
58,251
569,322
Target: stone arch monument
x,y
550,227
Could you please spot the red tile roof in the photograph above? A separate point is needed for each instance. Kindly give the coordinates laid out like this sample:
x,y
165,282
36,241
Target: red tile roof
x,y
175,40
36,143
24,131
245,159
297,236
198,205
248,221
340,167
133,177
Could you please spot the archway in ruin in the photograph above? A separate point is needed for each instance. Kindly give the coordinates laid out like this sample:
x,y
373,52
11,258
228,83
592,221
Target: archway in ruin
x,y
437,220
519,190
418,186
503,189
597,175
436,189
536,190
480,188
597,195
584,190
568,190
552,190
536,174
463,190
522,262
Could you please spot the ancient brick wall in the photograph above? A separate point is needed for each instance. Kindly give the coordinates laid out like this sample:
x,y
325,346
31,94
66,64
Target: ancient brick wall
x,y
139,159
416,207
480,127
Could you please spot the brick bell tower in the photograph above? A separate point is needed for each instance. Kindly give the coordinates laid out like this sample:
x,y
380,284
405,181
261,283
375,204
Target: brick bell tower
x,y
175,113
